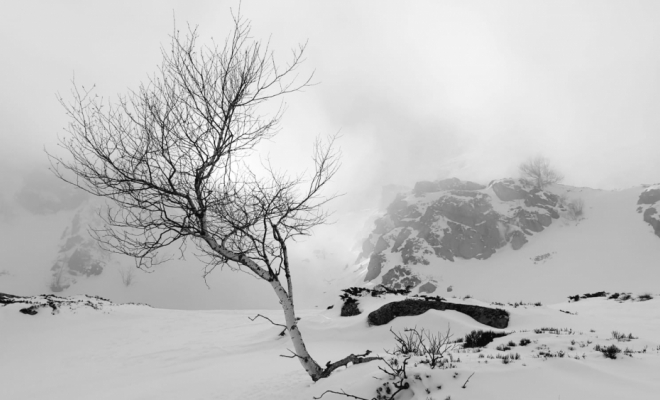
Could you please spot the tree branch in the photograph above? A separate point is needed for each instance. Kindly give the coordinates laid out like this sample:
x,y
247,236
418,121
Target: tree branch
x,y
271,321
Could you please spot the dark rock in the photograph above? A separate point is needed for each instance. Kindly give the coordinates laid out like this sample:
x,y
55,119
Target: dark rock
x,y
649,196
517,240
375,266
32,310
428,287
495,318
403,235
508,190
651,218
414,250
9,298
399,278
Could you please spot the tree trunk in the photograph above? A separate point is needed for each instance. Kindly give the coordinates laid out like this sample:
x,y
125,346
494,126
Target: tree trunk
x,y
306,360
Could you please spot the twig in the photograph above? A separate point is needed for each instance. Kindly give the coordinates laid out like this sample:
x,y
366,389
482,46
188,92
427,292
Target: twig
x,y
342,393
293,355
271,321
467,380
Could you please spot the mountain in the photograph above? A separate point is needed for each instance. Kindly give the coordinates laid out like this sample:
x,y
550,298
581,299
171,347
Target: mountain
x,y
510,241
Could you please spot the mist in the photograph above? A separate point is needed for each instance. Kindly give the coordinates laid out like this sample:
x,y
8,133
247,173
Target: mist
x,y
424,91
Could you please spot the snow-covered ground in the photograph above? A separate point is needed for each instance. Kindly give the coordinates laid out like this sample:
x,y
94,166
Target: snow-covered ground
x,y
138,352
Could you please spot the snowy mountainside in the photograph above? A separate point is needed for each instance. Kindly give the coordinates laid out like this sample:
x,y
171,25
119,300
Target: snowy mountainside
x,y
510,241
53,252
135,352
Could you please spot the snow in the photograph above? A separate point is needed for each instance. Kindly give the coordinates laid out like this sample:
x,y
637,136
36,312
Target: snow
x,y
113,351
138,352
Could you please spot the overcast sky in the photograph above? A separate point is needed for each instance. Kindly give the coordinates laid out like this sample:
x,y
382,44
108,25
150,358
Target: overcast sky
x,y
421,91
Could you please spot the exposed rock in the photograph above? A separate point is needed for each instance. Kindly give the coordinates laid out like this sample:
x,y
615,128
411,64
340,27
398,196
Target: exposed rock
x,y
649,201
375,266
517,240
352,294
79,255
508,190
495,318
652,217
452,219
649,196
428,287
400,278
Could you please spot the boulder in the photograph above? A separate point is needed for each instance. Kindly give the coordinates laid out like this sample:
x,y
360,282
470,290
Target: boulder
x,y
492,317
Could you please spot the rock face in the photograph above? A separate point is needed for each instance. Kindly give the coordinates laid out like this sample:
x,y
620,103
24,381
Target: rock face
x,y
451,219
649,203
493,317
79,254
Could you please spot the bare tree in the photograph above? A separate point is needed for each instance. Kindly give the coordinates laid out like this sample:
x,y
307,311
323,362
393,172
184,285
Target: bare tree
x,y
539,172
169,157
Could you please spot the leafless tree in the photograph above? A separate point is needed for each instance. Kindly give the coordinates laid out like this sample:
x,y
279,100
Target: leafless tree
x,y
169,156
539,172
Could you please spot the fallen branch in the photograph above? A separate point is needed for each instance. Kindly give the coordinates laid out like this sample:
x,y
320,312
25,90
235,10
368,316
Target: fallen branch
x,y
467,380
355,359
342,393
271,321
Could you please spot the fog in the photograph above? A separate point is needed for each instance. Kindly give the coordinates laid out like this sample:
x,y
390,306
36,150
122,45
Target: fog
x,y
417,92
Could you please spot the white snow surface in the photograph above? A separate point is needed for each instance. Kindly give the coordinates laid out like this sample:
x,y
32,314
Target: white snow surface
x,y
137,352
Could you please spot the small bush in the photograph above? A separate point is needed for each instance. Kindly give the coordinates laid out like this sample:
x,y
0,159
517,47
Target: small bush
x,y
525,342
503,347
511,343
622,337
644,297
610,351
432,347
481,338
575,209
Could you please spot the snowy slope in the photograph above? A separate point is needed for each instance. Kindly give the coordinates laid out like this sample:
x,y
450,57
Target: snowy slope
x,y
610,248
137,352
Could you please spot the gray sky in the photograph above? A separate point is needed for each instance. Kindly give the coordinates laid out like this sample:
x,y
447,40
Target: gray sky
x,y
420,91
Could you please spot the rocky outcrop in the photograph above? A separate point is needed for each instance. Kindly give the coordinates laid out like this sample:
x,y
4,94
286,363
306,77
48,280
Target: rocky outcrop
x,y
492,317
649,203
452,219
400,278
79,254
428,287
35,303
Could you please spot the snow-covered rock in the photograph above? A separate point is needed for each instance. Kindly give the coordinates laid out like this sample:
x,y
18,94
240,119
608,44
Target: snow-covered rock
x,y
452,219
649,204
